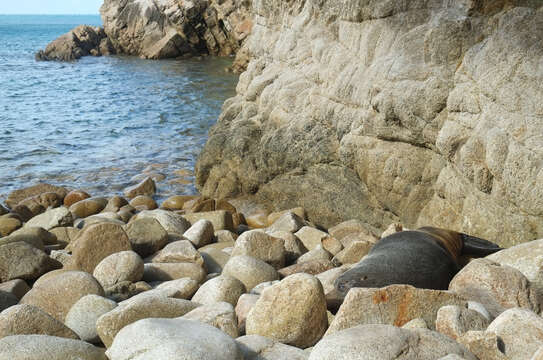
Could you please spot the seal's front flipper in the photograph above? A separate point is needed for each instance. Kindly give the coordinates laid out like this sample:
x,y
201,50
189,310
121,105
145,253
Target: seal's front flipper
x,y
476,247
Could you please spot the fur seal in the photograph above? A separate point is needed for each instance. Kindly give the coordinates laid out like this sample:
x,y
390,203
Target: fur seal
x,y
426,258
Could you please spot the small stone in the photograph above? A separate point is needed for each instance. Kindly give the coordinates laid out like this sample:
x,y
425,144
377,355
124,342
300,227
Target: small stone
x,y
74,196
353,253
392,305
146,187
173,223
200,233
85,208
168,338
292,312
171,271
497,287
137,308
223,288
256,347
17,196
57,293
178,251
454,321
250,271
146,236
221,220
225,236
16,287
28,320
317,254
311,237
9,225
243,307
119,267
19,260
520,330
39,347
375,341
84,314
261,246
52,218
143,201
289,222
183,288
484,345
95,243
220,315
312,267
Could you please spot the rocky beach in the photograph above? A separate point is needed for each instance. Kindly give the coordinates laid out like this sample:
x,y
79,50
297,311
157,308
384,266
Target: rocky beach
x,y
356,125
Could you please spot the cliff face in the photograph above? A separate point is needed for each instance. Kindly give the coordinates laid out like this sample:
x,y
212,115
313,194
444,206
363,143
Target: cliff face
x,y
169,28
427,112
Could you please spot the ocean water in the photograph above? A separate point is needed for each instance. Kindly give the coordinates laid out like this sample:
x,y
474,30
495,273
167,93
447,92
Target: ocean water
x,y
100,123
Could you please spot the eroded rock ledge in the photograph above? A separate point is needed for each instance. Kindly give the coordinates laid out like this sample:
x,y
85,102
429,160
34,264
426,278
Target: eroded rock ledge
x,y
157,29
420,112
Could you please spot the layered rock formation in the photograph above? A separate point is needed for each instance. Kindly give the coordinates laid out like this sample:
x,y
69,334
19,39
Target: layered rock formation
x,y
424,112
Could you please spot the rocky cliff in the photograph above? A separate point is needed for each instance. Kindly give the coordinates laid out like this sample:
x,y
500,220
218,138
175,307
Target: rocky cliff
x,y
426,112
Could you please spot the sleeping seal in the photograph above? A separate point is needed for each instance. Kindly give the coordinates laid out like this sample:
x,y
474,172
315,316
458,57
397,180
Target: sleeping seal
x,y
425,258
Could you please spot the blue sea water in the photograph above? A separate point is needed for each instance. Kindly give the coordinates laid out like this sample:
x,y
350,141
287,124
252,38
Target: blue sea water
x,y
99,123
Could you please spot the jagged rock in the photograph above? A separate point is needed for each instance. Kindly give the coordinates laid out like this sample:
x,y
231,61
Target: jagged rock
x,y
388,112
82,41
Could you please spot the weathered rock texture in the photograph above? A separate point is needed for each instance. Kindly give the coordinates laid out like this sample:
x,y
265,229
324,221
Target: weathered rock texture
x,y
171,28
420,112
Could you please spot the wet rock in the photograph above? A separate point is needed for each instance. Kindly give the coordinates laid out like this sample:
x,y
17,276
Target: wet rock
x,y
39,347
261,246
84,314
82,41
172,271
223,288
221,220
497,287
109,324
200,233
393,305
86,207
176,202
28,320
167,338
292,312
146,236
250,271
386,342
256,347
144,202
19,260
74,196
57,293
119,267
145,187
95,243
454,321
52,218
15,197
220,315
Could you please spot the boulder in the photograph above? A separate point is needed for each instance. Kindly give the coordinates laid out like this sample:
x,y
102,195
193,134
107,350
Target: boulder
x,y
484,345
74,196
39,347
145,187
223,288
84,314
19,260
167,338
15,197
7,300
8,225
221,219
172,271
137,308
16,287
313,267
497,287
454,321
214,259
86,207
29,320
183,288
386,342
143,202
261,246
52,218
294,248
353,227
146,236
178,251
57,293
311,237
292,312
392,305
65,234
119,267
250,271
243,307
289,222
256,347
95,243
352,253
173,223
317,254
35,235
220,315
176,202
200,233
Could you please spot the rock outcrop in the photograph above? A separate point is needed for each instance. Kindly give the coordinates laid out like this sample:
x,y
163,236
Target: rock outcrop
x,y
419,112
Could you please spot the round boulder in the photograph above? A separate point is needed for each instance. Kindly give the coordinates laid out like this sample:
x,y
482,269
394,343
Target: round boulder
x,y
119,267
83,316
250,271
